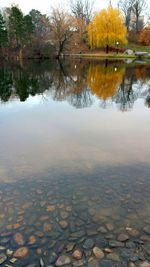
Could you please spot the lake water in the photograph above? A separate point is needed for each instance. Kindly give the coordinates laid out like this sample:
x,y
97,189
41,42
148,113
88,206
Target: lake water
x,y
75,164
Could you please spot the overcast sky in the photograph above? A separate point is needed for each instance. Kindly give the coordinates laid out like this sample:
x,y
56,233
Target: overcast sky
x,y
45,5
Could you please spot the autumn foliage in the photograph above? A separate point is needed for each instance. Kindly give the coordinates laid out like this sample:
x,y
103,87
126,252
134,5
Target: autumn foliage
x,y
107,29
145,36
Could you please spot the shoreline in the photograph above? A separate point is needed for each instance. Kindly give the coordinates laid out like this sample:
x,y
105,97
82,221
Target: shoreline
x,y
111,56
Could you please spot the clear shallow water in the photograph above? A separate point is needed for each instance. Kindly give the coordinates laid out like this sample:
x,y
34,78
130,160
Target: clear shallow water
x,y
74,162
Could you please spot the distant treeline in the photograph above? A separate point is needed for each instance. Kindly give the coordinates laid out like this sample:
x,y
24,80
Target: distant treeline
x,y
37,35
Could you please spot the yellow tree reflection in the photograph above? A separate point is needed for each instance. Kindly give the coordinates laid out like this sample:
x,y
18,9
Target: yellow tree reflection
x,y
104,80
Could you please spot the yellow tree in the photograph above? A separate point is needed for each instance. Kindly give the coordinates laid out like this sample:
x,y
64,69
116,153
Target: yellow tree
x,y
107,29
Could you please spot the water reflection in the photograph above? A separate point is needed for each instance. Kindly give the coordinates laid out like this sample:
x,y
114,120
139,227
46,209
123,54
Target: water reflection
x,y
104,81
79,82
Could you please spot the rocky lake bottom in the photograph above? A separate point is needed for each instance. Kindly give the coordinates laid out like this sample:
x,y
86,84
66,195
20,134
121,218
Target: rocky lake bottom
x,y
97,219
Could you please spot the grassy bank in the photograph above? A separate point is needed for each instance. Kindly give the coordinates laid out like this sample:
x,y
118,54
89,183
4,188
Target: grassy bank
x,y
136,47
101,54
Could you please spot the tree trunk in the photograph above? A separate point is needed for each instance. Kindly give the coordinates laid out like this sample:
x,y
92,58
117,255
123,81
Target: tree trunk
x,y
61,47
107,49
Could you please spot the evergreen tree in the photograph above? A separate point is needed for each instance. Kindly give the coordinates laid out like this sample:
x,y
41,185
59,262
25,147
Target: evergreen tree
x,y
16,26
29,29
3,32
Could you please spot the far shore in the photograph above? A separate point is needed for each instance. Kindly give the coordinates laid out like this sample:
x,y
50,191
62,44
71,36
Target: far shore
x,y
107,56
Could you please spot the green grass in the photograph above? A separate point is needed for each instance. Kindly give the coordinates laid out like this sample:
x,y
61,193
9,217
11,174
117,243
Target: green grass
x,y
104,55
137,47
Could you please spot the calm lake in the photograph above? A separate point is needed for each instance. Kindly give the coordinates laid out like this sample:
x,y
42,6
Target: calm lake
x,y
75,164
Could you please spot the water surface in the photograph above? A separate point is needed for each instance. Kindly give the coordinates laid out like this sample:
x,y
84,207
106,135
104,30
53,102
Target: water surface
x,y
74,162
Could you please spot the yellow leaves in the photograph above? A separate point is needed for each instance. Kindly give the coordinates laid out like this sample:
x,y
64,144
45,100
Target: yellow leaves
x,y
104,81
107,28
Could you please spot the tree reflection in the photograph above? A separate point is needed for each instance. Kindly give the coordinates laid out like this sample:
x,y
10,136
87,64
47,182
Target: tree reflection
x,y
125,96
6,83
77,82
104,80
70,85
141,73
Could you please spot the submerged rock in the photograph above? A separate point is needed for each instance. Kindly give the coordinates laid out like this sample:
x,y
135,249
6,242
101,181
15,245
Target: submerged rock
x,y
2,248
3,258
145,238
50,208
102,230
21,252
13,260
115,244
47,227
132,231
32,240
64,214
78,234
106,263
79,263
63,224
130,244
18,237
53,257
70,247
108,250
93,262
146,229
145,264
113,257
9,252
88,244
131,264
77,254
122,237
98,253
109,226
63,260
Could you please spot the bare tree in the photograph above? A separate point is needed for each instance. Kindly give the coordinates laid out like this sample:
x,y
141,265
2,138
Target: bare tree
x,y
139,6
126,8
62,28
133,10
82,9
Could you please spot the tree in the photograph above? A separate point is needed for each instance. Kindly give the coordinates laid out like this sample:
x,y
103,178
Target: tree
x,y
62,29
145,36
126,7
29,28
3,32
138,7
16,27
41,26
82,9
40,23
107,29
82,12
133,11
